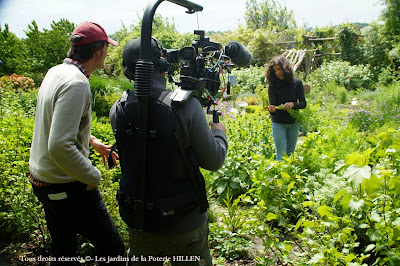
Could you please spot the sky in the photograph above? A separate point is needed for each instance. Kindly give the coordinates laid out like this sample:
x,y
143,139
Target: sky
x,y
217,15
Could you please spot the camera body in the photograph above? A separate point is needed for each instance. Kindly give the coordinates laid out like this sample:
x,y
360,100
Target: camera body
x,y
200,67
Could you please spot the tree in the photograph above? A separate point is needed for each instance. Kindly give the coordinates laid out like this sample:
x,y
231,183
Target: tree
x,y
268,13
374,48
164,30
48,48
11,51
268,24
391,17
350,41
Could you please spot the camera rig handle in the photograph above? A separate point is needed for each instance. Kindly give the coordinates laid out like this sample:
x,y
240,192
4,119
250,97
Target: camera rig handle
x,y
143,91
215,114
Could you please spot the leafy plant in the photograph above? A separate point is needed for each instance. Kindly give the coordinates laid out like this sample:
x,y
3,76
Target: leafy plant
x,y
344,74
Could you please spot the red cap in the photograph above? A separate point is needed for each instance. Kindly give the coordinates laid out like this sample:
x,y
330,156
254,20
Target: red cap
x,y
91,32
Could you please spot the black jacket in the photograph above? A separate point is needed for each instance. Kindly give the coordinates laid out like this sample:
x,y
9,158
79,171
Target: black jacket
x,y
285,92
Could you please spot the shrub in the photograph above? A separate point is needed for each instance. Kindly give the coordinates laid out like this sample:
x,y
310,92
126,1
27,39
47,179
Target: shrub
x,y
248,79
344,74
99,85
17,82
103,103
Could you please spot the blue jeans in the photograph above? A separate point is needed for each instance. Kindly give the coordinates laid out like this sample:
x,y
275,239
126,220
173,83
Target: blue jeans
x,y
285,138
71,210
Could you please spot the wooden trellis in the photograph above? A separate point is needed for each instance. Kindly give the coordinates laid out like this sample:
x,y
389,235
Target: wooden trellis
x,y
295,57
308,54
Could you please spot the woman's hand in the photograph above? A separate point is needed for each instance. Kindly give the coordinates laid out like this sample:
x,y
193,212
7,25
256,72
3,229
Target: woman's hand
x,y
288,106
271,108
103,149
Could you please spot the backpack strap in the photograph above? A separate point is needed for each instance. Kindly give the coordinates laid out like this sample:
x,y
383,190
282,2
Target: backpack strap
x,y
196,177
187,154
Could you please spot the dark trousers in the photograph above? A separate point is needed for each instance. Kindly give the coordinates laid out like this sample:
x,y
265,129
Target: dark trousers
x,y
71,210
184,249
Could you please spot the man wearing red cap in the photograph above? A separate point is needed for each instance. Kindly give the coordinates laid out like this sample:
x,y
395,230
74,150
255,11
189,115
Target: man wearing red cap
x,y
62,176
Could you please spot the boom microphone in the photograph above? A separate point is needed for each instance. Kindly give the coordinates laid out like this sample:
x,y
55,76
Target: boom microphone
x,y
238,53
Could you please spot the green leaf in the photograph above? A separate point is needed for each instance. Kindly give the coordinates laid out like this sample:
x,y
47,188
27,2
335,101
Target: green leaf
x,y
325,211
339,195
345,202
394,183
271,216
221,186
339,165
290,186
349,257
356,205
307,203
373,235
396,223
316,258
372,185
369,248
298,224
357,174
286,176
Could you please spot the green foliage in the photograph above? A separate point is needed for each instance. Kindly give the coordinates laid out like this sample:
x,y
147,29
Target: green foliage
x,y
350,44
20,213
391,17
46,48
249,133
11,52
262,43
251,109
388,97
99,85
267,13
333,202
163,30
374,48
344,74
106,91
267,24
262,91
227,244
247,79
230,240
102,103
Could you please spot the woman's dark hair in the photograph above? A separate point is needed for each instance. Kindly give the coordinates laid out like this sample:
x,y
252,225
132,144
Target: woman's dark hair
x,y
84,52
286,67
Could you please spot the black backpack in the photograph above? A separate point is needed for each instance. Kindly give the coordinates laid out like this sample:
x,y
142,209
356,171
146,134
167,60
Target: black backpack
x,y
173,183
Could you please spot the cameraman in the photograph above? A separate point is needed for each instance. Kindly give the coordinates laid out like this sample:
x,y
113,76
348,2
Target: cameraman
x,y
178,143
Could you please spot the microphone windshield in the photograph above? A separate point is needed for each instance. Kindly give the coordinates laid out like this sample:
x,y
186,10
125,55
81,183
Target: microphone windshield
x,y
238,53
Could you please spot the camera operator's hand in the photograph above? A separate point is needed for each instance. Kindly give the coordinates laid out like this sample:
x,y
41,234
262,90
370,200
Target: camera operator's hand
x,y
217,126
103,150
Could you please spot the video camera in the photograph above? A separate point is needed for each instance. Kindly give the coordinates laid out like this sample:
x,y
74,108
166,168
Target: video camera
x,y
201,66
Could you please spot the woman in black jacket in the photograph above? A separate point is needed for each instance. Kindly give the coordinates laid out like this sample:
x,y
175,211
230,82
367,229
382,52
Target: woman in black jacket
x,y
285,93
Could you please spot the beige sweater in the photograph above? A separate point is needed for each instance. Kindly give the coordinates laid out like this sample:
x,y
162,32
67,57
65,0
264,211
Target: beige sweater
x,y
60,144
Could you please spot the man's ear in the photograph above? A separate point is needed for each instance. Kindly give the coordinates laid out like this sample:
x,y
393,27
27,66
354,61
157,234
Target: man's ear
x,y
97,52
